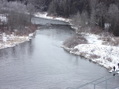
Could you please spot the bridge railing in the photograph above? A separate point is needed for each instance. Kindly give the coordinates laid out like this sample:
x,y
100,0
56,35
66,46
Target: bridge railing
x,y
106,82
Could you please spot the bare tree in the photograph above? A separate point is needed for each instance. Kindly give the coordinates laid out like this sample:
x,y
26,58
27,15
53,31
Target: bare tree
x,y
93,4
16,14
80,20
53,7
40,4
101,11
31,10
113,14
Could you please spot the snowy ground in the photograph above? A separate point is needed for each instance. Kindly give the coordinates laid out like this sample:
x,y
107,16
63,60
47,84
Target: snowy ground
x,y
12,40
3,18
95,50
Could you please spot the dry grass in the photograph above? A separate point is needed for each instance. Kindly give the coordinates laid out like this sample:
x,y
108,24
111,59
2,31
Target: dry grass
x,y
20,32
26,31
93,56
88,29
75,50
109,59
74,41
113,41
82,54
107,37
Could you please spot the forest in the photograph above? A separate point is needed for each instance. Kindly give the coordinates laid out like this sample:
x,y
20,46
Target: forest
x,y
102,13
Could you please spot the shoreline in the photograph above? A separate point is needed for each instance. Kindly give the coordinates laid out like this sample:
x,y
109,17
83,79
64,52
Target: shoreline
x,y
13,40
95,45
98,49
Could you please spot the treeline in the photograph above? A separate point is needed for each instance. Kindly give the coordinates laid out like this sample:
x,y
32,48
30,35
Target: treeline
x,y
103,13
41,5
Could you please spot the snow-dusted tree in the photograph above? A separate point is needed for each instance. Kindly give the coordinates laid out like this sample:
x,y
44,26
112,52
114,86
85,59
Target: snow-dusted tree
x,y
53,7
31,10
93,4
101,11
63,7
3,18
77,20
113,14
17,15
2,5
80,20
40,4
16,7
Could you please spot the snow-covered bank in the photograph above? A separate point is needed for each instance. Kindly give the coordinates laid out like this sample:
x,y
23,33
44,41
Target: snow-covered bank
x,y
95,50
12,40
46,16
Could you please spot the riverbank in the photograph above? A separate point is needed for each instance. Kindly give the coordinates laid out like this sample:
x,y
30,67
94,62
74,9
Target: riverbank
x,y
100,48
91,43
12,40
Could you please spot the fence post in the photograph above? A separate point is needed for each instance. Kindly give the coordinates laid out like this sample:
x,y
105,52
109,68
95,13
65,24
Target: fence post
x,y
94,86
106,84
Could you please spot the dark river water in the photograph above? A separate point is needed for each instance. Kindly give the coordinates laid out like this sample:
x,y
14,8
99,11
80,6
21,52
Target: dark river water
x,y
42,64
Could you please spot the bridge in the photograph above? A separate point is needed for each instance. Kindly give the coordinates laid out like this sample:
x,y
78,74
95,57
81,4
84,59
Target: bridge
x,y
105,82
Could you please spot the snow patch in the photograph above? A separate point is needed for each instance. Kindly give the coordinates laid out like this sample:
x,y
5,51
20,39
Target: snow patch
x,y
107,56
3,18
93,39
12,40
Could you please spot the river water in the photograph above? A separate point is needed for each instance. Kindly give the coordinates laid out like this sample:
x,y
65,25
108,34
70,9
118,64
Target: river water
x,y
41,63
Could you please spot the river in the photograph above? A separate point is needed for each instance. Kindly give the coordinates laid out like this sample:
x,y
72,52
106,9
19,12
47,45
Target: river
x,y
41,63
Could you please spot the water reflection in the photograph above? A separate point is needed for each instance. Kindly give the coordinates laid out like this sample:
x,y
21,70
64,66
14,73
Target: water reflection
x,y
19,52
